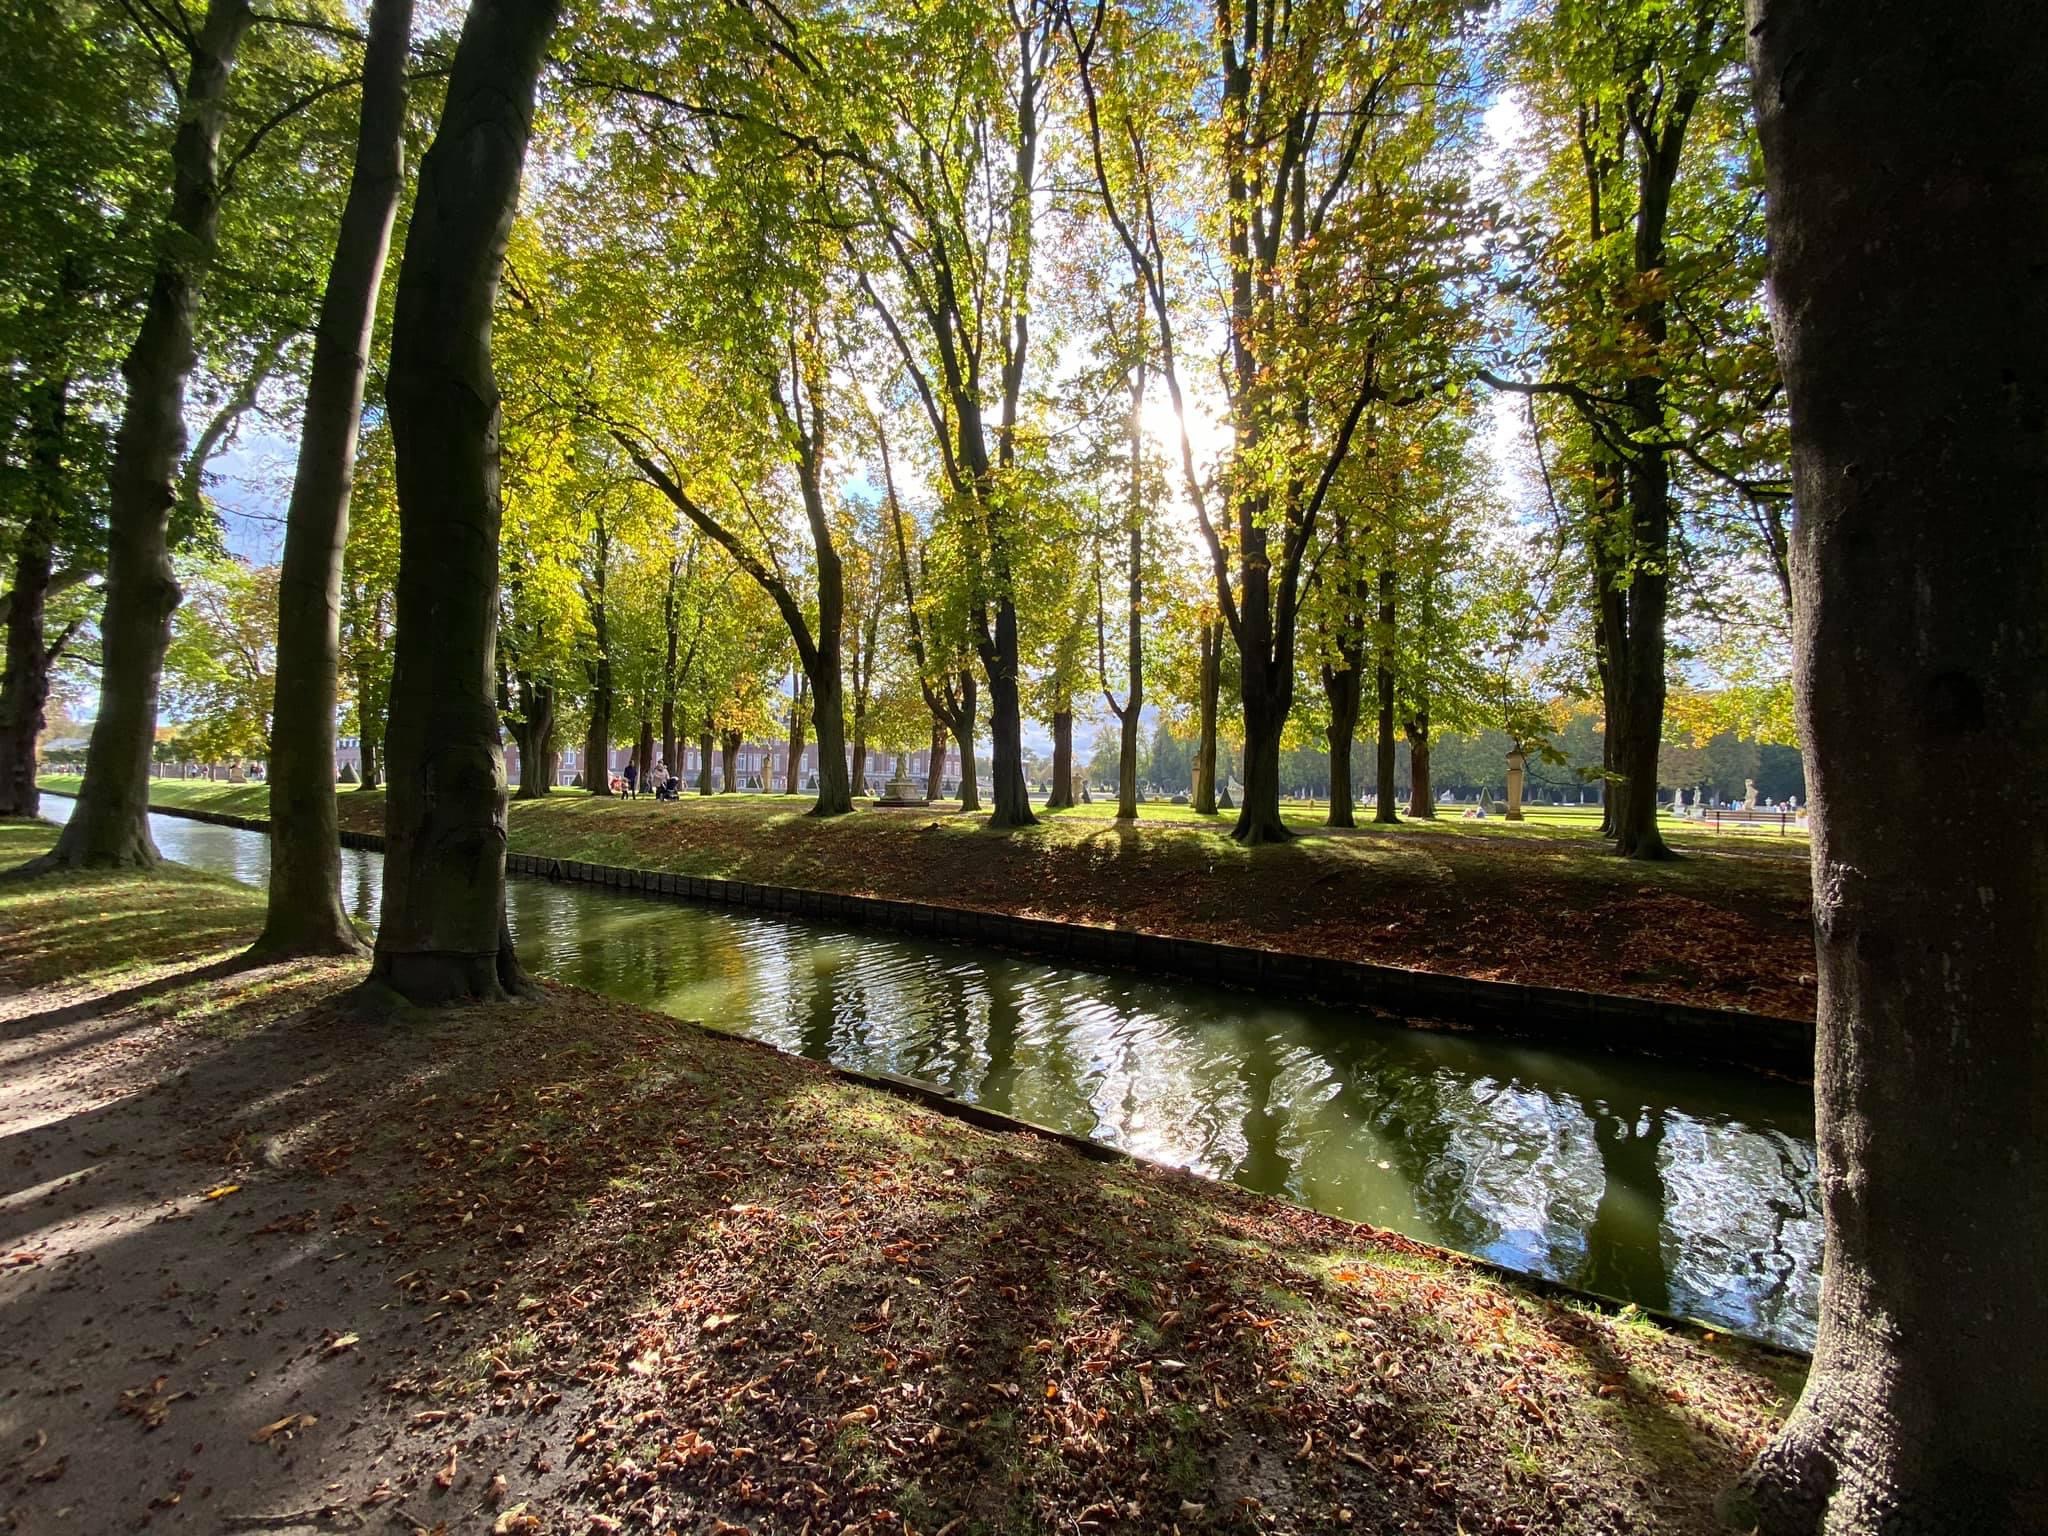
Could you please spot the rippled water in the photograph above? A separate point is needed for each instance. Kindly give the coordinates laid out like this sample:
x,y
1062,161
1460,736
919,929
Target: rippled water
x,y
1683,1189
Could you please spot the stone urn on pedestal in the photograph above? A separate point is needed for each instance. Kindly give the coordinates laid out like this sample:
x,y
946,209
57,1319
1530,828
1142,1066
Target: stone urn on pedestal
x,y
1518,760
901,790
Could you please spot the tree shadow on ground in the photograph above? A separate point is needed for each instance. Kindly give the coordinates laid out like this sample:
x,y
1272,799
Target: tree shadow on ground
x,y
273,1257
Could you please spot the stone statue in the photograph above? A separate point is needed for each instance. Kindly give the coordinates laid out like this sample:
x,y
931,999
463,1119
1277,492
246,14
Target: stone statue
x,y
1749,794
900,790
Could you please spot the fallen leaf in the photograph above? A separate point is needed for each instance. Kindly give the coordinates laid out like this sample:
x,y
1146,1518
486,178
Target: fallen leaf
x,y
289,1424
513,1521
862,1415
346,1341
445,1478
221,1192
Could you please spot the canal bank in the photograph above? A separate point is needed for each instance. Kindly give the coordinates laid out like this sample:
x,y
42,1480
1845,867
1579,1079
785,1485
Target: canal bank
x,y
1563,1017
1682,1188
636,1270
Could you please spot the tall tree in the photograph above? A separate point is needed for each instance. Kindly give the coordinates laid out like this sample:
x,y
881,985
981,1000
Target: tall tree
x,y
1647,195
443,936
946,182
948,689
110,824
305,914
1904,151
1341,239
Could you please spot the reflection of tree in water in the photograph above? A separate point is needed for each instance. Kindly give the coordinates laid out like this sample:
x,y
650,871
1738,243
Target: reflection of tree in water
x,y
942,1048
1625,1240
814,1006
1744,1214
362,884
1476,1144
1262,1166
999,1039
1392,1087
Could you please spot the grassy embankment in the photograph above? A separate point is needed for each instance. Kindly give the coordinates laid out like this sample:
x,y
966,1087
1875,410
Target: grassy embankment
x,y
1540,901
577,1265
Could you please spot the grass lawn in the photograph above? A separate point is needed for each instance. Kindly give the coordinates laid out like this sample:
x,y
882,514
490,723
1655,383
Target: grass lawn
x,y
570,1267
1540,901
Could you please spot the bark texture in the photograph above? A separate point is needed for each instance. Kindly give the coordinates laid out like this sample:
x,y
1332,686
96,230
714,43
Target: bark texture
x,y
935,761
443,937
1062,795
305,915
25,685
1421,795
1343,687
109,827
1205,743
963,738
535,733
729,752
1907,213
1384,809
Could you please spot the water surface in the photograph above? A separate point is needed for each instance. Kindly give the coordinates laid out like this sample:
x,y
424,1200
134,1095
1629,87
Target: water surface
x,y
1684,1189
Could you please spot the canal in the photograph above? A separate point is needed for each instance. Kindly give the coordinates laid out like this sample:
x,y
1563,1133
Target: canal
x,y
1683,1189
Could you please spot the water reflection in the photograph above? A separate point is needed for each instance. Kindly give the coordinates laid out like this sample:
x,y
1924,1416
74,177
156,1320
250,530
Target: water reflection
x,y
1679,1188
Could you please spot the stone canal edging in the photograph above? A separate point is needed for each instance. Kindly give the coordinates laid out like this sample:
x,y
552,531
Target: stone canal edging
x,y
1551,1015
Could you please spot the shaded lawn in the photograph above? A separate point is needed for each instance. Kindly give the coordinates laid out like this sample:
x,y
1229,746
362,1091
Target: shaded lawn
x,y
1540,902
589,1267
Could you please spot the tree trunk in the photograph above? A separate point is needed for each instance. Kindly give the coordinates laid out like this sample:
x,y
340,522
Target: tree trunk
x,y
1421,796
704,749
1205,745
1258,819
25,686
828,714
1127,761
1062,795
371,746
793,781
935,764
970,792
443,937
25,689
1385,793
597,736
109,826
729,749
643,753
1006,725
1636,833
669,679
857,783
1610,645
1345,690
304,914
1903,151
536,735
